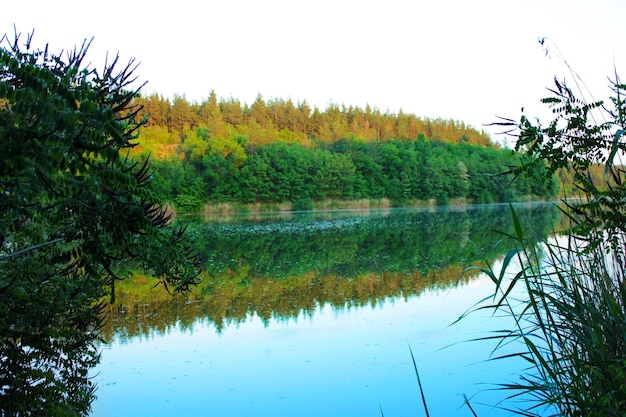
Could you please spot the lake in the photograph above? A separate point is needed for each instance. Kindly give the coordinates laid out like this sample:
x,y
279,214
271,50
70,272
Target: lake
x,y
316,314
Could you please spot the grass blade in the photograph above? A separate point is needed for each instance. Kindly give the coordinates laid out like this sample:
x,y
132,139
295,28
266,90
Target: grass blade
x,y
419,382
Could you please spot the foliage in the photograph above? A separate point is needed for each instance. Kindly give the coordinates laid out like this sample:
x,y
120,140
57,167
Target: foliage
x,y
348,169
582,137
73,209
276,151
274,120
572,323
570,326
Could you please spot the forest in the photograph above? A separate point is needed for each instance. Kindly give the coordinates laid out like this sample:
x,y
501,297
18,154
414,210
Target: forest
x,y
276,151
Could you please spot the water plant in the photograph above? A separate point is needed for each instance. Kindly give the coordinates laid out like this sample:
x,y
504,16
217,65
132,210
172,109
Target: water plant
x,y
570,320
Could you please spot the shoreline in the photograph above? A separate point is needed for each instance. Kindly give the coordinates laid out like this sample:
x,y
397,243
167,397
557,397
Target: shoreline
x,y
225,212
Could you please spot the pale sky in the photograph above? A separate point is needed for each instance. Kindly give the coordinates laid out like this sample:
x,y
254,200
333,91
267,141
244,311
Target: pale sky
x,y
452,59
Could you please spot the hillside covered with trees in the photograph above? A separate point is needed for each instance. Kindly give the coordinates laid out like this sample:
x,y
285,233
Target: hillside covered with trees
x,y
278,151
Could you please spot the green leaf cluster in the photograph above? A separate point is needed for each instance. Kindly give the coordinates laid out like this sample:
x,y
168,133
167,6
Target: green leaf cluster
x,y
584,141
74,209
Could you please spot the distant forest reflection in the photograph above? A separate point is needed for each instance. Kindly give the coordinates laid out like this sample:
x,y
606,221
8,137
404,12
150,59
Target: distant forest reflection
x,y
289,267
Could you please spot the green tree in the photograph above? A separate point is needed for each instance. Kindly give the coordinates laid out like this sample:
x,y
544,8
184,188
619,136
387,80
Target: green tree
x,y
192,145
74,209
180,116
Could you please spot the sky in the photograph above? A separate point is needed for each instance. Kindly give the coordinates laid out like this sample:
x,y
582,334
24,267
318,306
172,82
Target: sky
x,y
470,61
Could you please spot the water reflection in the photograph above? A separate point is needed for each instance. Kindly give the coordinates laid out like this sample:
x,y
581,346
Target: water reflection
x,y
289,267
313,316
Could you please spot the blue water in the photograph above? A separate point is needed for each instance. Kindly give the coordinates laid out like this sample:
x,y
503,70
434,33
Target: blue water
x,y
329,362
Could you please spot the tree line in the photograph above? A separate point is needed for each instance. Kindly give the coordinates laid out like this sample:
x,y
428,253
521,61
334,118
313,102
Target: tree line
x,y
278,152
277,119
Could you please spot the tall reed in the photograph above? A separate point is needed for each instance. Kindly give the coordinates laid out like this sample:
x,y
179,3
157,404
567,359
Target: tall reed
x,y
571,320
570,323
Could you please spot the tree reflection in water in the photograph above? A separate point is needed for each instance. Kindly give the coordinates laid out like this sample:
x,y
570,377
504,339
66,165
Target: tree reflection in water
x,y
289,267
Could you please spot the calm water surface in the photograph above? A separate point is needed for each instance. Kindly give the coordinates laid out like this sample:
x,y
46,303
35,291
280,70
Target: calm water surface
x,y
314,316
